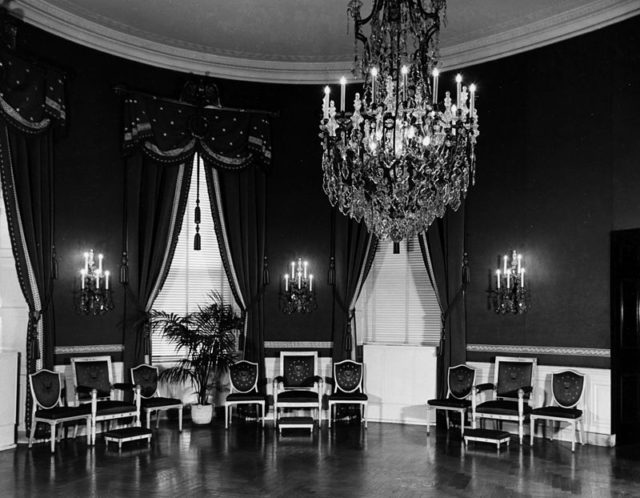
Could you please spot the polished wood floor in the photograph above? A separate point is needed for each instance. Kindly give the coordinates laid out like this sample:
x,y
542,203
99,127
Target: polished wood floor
x,y
386,460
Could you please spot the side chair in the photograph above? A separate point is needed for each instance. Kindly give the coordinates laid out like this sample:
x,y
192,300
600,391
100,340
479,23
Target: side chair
x,y
48,407
347,381
146,376
243,376
567,388
460,382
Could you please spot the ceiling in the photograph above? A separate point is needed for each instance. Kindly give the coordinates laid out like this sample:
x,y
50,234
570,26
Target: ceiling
x,y
300,41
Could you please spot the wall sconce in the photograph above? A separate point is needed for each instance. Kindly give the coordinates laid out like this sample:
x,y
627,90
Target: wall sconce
x,y
510,294
95,295
298,295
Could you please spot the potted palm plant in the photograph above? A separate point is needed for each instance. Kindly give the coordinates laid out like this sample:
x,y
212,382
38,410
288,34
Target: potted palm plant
x,y
207,339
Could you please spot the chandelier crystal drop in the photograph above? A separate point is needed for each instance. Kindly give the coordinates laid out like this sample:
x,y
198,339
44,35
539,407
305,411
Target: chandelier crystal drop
x,y
403,155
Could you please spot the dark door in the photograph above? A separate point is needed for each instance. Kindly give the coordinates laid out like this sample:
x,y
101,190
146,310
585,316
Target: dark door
x,y
625,335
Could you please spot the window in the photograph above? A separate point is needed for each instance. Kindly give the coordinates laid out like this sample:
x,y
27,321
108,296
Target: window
x,y
397,304
193,274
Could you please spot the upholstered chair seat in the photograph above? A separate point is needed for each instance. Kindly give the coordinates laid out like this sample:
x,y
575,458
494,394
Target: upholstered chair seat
x,y
512,389
146,376
348,379
243,376
567,388
48,406
460,381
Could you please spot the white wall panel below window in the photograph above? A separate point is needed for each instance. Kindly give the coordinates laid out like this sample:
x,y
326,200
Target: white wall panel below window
x,y
399,380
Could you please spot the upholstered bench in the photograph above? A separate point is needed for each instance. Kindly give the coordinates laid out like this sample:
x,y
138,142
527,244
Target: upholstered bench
x,y
487,436
127,434
296,423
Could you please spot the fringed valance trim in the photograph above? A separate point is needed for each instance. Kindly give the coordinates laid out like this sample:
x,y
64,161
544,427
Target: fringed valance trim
x,y
170,132
31,96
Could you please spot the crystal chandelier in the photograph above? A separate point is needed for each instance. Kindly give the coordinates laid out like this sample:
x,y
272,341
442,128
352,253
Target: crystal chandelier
x,y
95,295
510,295
298,295
402,156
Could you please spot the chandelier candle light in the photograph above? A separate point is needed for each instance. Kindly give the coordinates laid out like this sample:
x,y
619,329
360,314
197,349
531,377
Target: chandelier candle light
x,y
510,294
95,294
298,295
406,152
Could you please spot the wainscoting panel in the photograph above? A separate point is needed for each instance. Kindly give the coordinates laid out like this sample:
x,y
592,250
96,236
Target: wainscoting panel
x,y
399,380
596,401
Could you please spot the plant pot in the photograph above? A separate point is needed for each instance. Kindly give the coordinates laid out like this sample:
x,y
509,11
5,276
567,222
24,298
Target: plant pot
x,y
201,414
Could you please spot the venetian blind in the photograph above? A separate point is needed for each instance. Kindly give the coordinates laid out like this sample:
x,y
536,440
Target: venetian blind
x,y
193,275
398,304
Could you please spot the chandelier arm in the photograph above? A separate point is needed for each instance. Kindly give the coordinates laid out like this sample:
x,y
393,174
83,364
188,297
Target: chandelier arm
x,y
378,5
398,181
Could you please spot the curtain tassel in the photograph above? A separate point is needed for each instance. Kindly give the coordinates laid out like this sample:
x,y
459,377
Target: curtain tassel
x,y
332,271
265,272
197,241
124,269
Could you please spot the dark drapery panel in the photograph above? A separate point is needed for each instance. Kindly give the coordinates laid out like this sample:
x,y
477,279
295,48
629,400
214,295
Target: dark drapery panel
x,y
31,101
165,134
442,249
238,204
157,196
352,251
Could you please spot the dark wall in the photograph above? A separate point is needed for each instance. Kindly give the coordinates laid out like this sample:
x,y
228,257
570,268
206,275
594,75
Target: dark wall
x,y
89,186
557,171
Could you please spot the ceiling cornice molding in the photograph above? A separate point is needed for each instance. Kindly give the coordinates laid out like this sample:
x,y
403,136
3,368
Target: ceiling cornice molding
x,y
574,22
247,67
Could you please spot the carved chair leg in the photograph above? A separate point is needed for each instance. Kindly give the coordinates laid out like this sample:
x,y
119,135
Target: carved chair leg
x,y
532,430
53,433
520,429
32,432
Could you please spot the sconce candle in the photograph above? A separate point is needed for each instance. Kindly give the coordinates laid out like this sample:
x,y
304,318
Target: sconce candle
x,y
510,296
298,295
94,300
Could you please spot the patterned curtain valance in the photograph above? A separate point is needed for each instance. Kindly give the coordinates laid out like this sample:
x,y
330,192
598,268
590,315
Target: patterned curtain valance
x,y
30,95
170,132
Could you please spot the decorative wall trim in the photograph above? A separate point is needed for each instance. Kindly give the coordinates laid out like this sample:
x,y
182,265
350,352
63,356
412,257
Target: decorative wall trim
x,y
90,348
550,350
298,344
126,42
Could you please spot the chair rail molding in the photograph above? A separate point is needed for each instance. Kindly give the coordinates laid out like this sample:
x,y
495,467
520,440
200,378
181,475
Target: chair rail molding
x,y
545,350
89,348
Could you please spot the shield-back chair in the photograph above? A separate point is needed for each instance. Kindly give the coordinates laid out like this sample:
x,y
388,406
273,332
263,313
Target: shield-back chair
x,y
460,382
146,376
348,378
243,376
48,406
567,388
